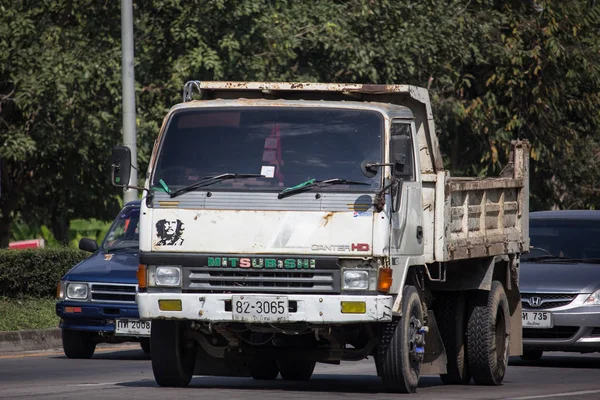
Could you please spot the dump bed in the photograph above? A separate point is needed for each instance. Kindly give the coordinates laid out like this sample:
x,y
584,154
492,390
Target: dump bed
x,y
483,217
463,217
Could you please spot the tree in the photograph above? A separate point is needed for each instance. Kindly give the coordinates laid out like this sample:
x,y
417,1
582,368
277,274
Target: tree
x,y
496,71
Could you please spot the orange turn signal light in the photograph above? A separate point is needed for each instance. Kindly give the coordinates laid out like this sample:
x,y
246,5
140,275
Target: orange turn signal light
x,y
141,276
73,309
384,280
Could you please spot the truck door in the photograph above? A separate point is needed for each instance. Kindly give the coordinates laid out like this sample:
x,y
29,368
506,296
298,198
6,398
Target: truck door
x,y
407,201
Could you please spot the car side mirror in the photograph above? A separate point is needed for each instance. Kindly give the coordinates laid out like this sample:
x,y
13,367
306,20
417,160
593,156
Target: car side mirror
x,y
120,164
87,244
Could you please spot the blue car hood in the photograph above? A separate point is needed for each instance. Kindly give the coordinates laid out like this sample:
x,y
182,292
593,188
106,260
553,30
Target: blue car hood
x,y
120,268
559,277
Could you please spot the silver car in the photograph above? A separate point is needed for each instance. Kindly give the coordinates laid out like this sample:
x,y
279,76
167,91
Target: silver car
x,y
560,283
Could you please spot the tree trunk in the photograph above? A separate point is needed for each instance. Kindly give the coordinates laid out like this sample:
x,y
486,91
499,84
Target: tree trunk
x,y
6,206
5,221
60,230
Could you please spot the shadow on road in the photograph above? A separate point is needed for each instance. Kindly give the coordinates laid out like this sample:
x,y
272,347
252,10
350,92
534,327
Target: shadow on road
x,y
105,354
318,383
559,361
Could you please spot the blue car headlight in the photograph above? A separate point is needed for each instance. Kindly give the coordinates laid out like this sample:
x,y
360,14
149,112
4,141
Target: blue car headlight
x,y
77,291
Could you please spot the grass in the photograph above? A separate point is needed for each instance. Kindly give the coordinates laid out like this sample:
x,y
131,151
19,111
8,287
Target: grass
x,y
27,313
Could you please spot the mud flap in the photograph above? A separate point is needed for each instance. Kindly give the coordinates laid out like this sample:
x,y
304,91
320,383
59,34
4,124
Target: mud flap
x,y
435,360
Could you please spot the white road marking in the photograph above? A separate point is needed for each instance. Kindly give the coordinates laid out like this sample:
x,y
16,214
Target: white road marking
x,y
96,384
545,396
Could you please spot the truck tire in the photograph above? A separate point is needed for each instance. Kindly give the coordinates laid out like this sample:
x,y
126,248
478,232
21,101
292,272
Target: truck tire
x,y
78,344
296,370
173,357
399,356
532,355
488,337
264,370
450,314
145,345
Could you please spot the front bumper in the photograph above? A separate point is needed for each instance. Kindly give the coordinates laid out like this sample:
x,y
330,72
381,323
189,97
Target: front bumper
x,y
576,328
315,309
94,317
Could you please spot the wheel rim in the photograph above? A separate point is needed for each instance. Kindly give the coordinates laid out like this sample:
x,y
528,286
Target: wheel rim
x,y
415,340
500,340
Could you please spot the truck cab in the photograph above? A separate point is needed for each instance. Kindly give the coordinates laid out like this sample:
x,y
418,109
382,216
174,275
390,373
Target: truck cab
x,y
96,298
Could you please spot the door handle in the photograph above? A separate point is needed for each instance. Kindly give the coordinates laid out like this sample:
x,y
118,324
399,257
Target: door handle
x,y
419,233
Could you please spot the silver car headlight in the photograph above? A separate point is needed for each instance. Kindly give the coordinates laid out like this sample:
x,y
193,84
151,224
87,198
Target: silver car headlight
x,y
355,279
167,276
77,291
593,299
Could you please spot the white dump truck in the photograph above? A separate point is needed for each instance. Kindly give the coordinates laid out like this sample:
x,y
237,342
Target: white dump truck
x,y
285,224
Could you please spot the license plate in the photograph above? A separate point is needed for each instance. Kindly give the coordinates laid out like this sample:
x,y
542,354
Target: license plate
x,y
132,327
537,319
259,308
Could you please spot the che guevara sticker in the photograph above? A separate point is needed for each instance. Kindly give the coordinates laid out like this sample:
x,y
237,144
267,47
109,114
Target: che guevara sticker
x,y
169,232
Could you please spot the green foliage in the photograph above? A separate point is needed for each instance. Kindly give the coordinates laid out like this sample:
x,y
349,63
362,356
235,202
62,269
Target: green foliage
x,y
496,71
35,272
27,313
78,229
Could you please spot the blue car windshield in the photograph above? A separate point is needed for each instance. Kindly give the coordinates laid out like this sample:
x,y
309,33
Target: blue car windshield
x,y
564,238
124,232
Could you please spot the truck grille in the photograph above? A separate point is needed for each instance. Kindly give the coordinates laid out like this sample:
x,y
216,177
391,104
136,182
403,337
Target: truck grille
x,y
219,280
540,301
113,293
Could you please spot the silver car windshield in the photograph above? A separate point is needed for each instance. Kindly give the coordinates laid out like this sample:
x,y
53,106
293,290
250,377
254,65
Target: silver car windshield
x,y
124,232
287,145
564,238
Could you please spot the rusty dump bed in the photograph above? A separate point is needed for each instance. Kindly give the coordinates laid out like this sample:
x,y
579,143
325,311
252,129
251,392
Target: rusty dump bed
x,y
485,217
463,217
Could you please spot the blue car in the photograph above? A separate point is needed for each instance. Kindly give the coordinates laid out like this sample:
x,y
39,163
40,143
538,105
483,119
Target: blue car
x,y
96,298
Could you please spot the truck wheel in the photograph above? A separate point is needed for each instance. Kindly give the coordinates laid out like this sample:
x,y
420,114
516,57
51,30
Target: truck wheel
x,y
450,311
532,355
145,345
295,370
78,344
173,357
488,335
401,347
264,370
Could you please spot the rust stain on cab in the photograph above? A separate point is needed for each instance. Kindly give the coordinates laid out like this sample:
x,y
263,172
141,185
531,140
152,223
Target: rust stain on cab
x,y
326,218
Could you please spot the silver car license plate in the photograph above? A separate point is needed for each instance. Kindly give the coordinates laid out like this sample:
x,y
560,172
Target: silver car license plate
x,y
537,319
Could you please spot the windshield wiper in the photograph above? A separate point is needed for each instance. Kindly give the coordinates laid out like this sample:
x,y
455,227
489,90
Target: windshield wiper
x,y
582,260
548,258
209,180
313,183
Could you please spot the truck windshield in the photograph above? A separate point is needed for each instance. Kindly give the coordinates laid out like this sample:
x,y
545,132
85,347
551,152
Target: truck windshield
x,y
124,232
286,145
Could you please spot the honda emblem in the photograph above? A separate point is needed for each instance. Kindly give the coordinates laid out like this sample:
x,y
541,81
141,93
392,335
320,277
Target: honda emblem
x,y
535,301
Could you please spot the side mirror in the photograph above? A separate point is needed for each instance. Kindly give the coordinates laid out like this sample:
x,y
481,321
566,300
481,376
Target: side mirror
x,y
401,147
369,168
87,244
120,163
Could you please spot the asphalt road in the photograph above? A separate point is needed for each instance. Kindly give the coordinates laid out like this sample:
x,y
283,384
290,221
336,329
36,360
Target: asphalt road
x,y
125,373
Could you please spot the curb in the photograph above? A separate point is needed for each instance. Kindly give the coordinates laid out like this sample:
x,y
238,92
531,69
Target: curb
x,y
27,340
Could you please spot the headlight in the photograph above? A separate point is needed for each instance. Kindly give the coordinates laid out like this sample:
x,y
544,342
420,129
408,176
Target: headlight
x,y
77,291
593,300
168,276
355,280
